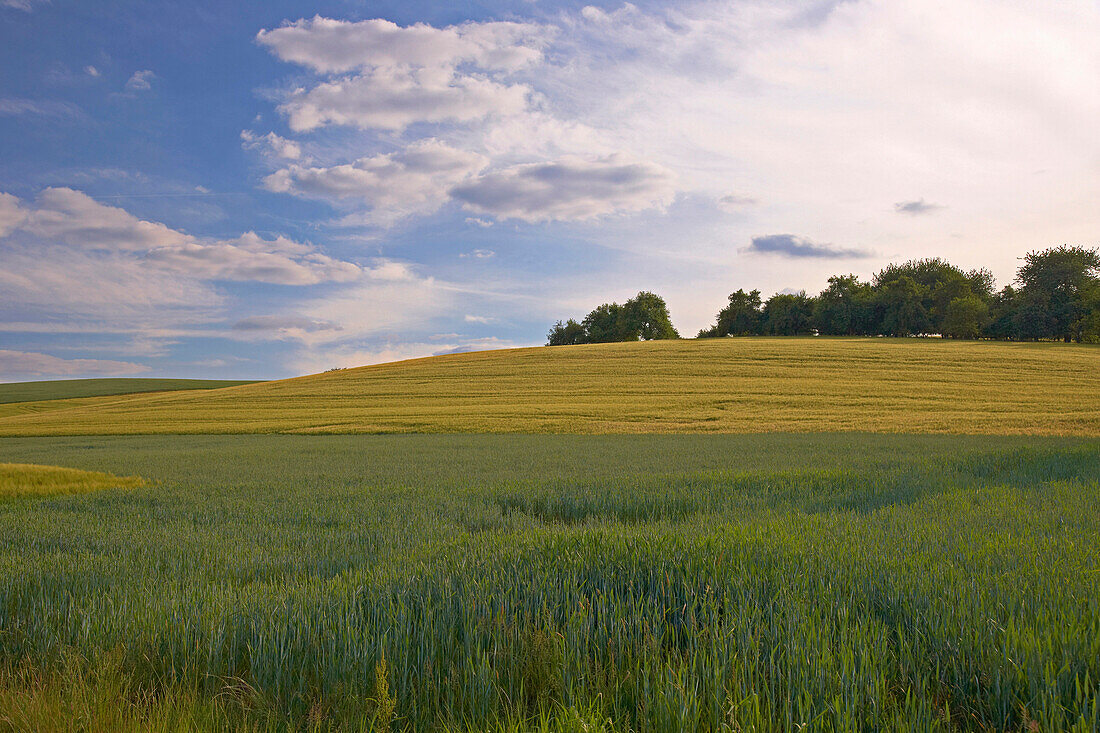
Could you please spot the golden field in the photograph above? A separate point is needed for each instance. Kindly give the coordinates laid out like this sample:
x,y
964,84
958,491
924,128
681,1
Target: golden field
x,y
733,385
19,480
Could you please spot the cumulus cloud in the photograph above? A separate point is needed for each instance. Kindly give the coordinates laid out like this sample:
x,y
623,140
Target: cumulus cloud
x,y
73,217
24,364
393,99
788,245
67,256
64,215
140,81
326,45
251,258
916,208
404,75
11,214
568,189
271,144
416,179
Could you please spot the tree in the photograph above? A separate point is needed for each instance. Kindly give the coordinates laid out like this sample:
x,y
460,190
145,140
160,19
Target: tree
x,y
1056,287
646,315
965,318
741,317
1002,322
939,283
902,304
606,324
789,315
566,334
845,308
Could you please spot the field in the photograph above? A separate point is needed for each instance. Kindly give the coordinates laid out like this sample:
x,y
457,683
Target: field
x,y
554,582
692,386
23,398
67,389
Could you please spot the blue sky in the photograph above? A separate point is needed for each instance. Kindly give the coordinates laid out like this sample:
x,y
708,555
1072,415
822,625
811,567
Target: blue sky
x,y
260,190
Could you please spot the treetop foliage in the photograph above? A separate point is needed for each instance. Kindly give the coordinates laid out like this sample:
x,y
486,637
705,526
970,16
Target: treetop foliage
x,y
1056,296
642,318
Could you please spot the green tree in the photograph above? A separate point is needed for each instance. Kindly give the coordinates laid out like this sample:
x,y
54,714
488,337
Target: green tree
x,y
939,283
566,334
845,308
740,317
1056,291
607,323
901,302
1002,323
965,317
789,315
646,314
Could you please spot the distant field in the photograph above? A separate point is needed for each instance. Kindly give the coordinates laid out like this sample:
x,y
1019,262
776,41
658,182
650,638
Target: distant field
x,y
64,389
840,582
691,386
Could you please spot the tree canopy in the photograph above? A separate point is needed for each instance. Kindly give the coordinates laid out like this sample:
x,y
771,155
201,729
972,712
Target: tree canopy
x,y
1056,296
644,317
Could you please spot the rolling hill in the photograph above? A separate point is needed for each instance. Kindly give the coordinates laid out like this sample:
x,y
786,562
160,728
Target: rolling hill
x,y
65,389
691,386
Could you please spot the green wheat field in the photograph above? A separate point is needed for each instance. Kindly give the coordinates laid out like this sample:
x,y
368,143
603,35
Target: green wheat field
x,y
933,565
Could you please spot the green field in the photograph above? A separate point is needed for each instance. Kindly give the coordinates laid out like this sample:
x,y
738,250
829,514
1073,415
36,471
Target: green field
x,y
67,389
472,582
692,386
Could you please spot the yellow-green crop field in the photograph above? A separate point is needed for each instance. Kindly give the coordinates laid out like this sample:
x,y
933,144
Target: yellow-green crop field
x,y
19,480
691,386
857,535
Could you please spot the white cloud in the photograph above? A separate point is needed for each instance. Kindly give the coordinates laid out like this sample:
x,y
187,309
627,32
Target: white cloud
x,y
251,258
405,75
24,364
91,70
393,185
327,45
569,189
140,81
11,214
63,215
394,98
72,217
271,144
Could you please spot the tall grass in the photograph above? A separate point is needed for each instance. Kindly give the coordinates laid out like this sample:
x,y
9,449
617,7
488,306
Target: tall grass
x,y
557,583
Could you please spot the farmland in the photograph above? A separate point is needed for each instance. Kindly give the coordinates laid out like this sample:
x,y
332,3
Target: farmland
x,y
67,389
553,582
691,386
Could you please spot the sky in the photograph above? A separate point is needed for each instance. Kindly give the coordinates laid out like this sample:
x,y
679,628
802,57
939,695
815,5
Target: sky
x,y
261,190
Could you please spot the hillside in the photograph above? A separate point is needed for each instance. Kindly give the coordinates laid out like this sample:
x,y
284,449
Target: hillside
x,y
721,385
66,389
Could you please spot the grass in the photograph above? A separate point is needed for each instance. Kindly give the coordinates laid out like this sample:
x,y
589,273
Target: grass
x,y
553,582
19,480
705,386
66,389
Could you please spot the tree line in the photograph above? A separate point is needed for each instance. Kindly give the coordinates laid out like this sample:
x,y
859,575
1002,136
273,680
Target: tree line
x,y
1056,296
